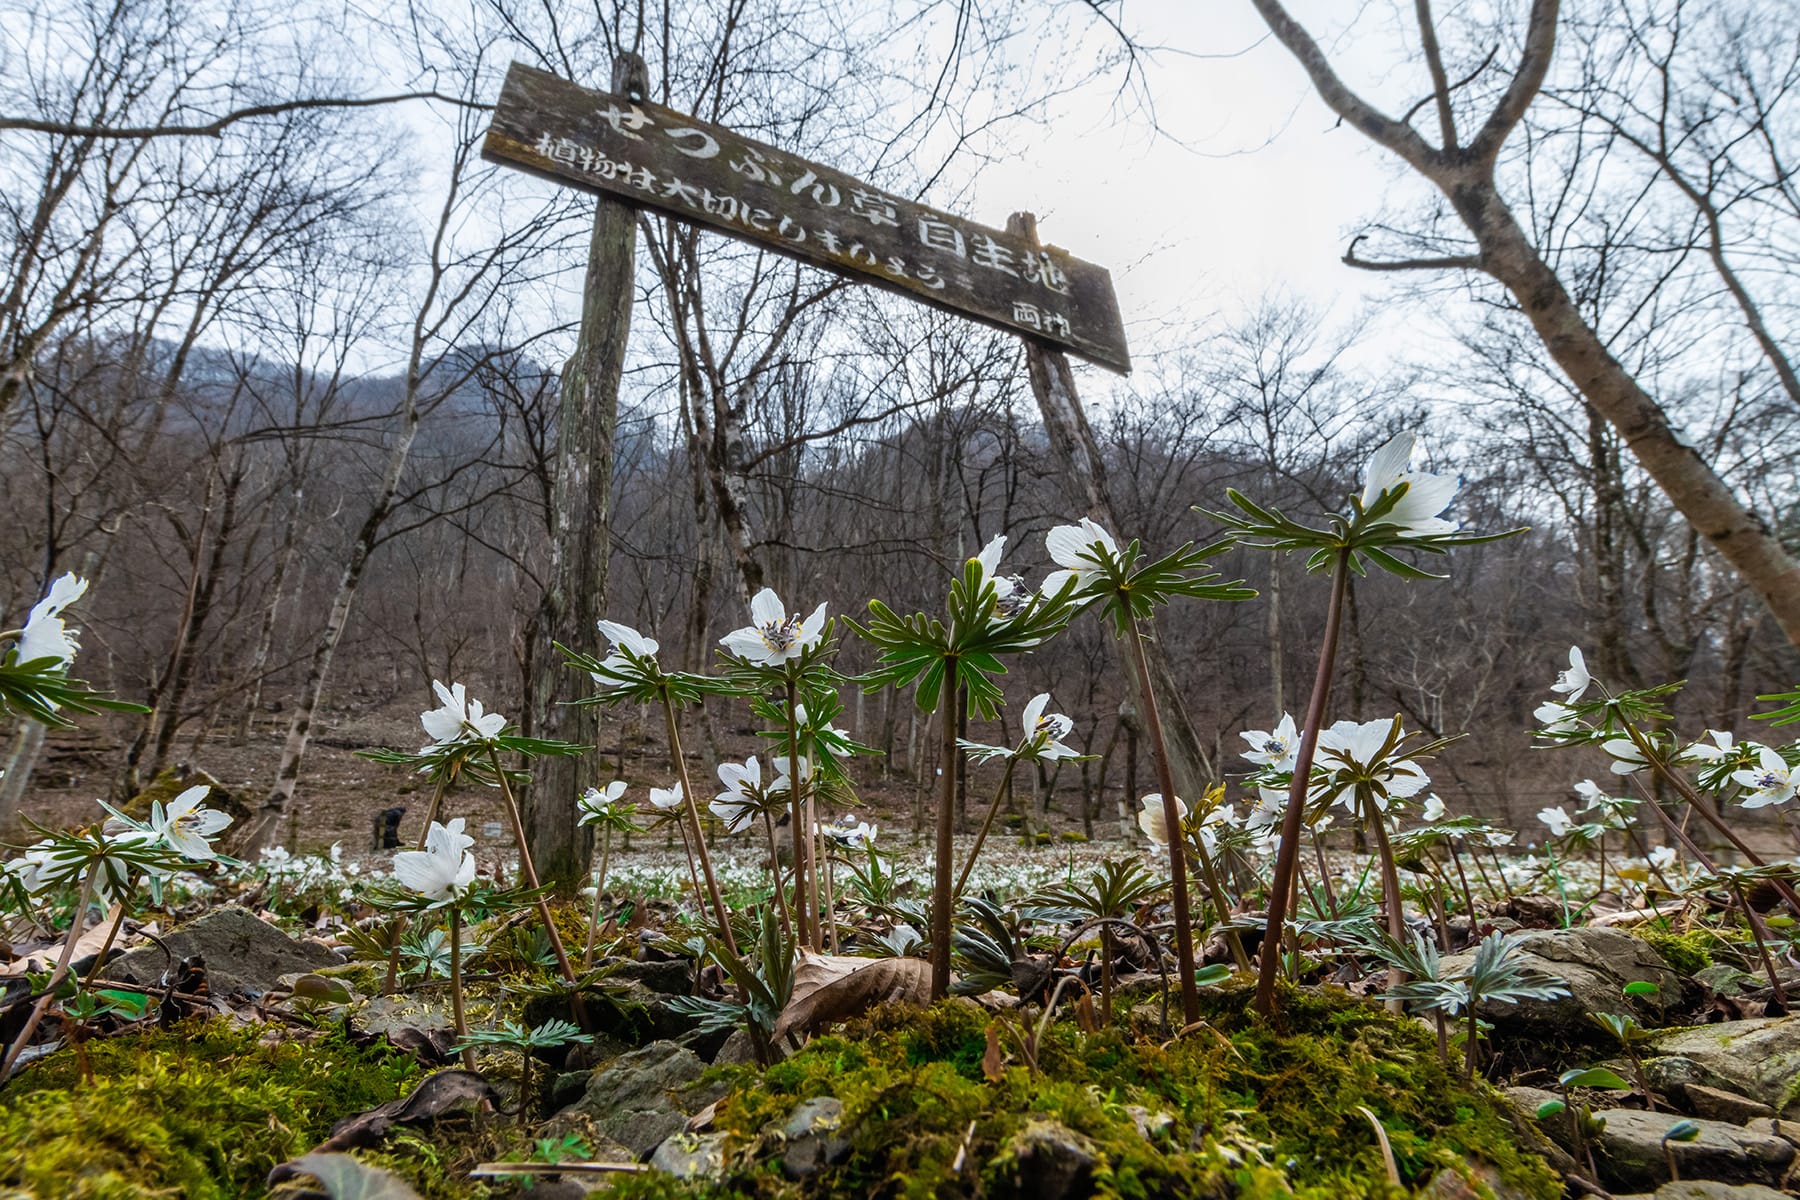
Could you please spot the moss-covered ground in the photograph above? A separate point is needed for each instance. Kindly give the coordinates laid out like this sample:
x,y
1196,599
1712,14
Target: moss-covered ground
x,y
1251,1110
202,1111
1238,1108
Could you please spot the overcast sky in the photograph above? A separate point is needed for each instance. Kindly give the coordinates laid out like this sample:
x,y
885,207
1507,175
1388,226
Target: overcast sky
x,y
1247,189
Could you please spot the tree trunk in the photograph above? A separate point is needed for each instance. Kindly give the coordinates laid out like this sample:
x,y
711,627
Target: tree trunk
x,y
582,538
1464,173
1691,484
1084,472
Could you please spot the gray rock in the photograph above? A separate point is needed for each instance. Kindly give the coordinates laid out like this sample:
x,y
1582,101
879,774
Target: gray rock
x,y
242,953
1595,963
1630,1151
1725,979
390,1014
642,1098
691,1156
1715,1104
674,977
1707,1189
567,1088
737,1050
1481,1182
811,1136
1758,1058
1050,1161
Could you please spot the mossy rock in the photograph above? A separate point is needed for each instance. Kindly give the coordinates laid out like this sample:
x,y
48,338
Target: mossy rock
x,y
202,1111
1689,953
1241,1108
172,781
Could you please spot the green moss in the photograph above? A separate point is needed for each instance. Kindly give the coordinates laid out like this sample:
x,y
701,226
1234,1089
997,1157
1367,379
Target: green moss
x,y
201,1111
1686,953
1252,1110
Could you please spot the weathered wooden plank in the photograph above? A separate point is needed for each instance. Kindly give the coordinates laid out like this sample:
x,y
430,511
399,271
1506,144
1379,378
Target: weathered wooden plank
x,y
694,171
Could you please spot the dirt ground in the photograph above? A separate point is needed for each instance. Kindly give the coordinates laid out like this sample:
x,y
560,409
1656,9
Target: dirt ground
x,y
340,793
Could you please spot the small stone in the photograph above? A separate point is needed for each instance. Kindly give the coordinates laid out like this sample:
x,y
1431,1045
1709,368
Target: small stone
x,y
1708,1189
1485,1184
1594,963
1630,1151
1716,1104
1052,1161
691,1156
737,1050
642,1098
822,1114
1724,979
243,953
1758,1058
1150,1125
810,1132
567,1088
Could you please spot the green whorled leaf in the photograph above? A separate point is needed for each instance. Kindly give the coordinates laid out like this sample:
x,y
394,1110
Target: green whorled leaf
x,y
1550,1108
1682,1131
344,1178
321,989
1788,711
1593,1077
1212,975
1640,987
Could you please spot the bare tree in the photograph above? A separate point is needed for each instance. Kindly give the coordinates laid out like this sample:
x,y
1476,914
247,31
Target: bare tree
x,y
1473,126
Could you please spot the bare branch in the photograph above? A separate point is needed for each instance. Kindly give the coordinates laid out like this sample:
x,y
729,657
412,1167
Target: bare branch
x,y
1534,64
1448,262
1440,81
216,128
1375,124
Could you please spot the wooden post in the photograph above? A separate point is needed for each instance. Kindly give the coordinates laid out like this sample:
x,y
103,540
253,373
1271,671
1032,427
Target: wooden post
x,y
581,531
1084,472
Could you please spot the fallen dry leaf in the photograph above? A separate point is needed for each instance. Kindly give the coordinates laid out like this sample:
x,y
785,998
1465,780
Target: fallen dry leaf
x,y
436,1096
835,987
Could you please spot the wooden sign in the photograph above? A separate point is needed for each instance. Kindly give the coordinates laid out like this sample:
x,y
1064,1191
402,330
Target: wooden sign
x,y
693,171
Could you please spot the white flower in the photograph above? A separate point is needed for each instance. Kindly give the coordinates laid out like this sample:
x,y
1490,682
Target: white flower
x,y
1770,782
1043,732
773,637
1574,681
44,635
1221,817
1557,717
852,833
185,826
596,804
623,638
784,772
32,867
1273,747
1722,745
1663,857
1011,596
444,869
665,798
1434,809
1075,548
1426,496
1152,820
1559,821
1270,807
1625,754
459,719
1353,753
1592,793
743,796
